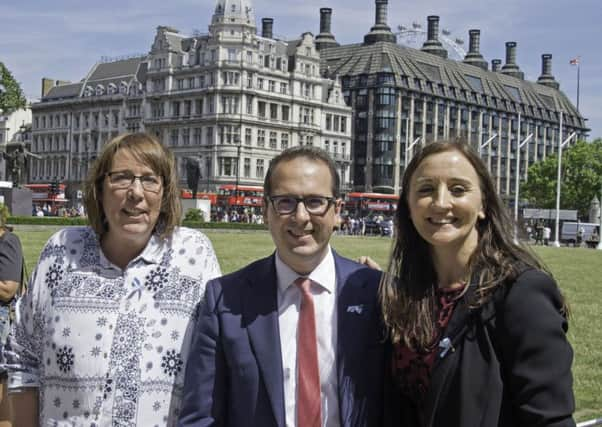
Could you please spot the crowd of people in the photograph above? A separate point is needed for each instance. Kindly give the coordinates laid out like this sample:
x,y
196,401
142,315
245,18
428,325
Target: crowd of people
x,y
129,322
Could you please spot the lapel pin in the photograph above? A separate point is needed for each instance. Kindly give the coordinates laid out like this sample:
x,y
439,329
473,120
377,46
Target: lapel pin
x,y
355,309
445,345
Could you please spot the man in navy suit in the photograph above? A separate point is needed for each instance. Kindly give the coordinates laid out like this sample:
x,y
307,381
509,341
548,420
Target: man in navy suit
x,y
294,339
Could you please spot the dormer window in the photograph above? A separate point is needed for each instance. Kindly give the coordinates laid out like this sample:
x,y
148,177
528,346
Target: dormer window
x,y
100,90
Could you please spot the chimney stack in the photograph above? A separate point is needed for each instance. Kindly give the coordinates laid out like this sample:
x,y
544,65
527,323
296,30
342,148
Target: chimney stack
x,y
432,45
496,65
511,68
381,31
267,25
474,57
325,39
546,78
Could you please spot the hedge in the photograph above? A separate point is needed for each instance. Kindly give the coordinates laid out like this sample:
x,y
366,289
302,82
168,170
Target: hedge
x,y
66,221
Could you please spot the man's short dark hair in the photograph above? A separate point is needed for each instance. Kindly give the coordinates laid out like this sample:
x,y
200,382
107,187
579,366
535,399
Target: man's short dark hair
x,y
309,152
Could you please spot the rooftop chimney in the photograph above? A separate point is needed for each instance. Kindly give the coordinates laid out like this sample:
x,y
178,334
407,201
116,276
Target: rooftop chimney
x,y
381,31
511,69
546,78
496,65
325,39
474,57
432,45
266,27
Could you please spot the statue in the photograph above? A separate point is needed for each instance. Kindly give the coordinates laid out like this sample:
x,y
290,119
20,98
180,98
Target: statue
x,y
16,164
193,173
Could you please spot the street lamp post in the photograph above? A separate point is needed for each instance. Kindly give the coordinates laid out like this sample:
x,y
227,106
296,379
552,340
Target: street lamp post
x,y
556,242
599,247
408,149
517,180
486,143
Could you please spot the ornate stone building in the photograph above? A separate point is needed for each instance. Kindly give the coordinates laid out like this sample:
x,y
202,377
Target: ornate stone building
x,y
233,97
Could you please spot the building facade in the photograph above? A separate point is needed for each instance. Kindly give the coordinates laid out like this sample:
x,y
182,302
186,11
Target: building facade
x,y
403,98
232,97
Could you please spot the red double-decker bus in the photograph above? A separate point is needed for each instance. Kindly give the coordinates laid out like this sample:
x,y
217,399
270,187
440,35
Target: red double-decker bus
x,y
187,194
366,204
230,196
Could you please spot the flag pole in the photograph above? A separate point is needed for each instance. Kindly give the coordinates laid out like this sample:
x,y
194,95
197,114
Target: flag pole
x,y
578,78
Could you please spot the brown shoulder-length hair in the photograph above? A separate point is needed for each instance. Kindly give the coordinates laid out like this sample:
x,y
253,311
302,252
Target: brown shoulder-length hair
x,y
148,150
408,290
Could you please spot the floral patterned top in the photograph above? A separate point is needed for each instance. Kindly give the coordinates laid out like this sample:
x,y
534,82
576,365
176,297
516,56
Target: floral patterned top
x,y
107,346
412,369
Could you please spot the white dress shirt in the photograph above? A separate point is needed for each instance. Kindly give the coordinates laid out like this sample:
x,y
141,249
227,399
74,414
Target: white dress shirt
x,y
323,290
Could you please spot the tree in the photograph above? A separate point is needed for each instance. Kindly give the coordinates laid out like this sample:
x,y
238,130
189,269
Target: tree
x,y
581,178
11,95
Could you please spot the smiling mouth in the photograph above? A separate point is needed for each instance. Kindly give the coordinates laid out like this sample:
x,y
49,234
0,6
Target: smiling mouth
x,y
299,234
133,212
442,221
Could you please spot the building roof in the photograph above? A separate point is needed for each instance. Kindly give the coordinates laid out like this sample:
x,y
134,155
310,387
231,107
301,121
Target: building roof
x,y
116,69
64,91
413,67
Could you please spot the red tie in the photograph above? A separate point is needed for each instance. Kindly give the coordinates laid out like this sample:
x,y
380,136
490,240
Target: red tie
x,y
308,375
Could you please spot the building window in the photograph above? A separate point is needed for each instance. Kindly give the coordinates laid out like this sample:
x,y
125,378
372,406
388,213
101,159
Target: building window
x,y
328,121
186,136
285,113
249,104
271,85
284,88
259,168
274,111
209,135
248,136
261,109
273,140
247,168
227,166
284,141
173,137
261,138
197,136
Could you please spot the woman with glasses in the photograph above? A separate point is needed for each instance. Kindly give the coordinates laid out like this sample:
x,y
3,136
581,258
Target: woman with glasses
x,y
103,332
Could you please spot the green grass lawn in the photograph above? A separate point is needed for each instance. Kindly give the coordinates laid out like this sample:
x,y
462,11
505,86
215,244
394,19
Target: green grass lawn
x,y
578,271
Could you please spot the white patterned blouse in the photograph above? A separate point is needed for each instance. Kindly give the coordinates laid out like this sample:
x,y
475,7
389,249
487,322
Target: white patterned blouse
x,y
106,346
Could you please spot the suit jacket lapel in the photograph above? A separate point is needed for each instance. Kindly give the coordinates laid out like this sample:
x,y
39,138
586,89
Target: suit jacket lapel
x,y
349,294
443,366
261,318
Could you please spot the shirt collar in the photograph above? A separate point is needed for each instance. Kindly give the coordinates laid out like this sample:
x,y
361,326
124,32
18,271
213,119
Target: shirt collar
x,y
151,254
324,274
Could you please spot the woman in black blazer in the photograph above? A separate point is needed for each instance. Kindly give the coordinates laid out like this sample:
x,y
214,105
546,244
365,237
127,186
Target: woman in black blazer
x,y
478,326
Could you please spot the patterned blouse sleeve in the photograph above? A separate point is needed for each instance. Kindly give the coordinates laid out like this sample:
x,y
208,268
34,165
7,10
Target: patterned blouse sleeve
x,y
25,342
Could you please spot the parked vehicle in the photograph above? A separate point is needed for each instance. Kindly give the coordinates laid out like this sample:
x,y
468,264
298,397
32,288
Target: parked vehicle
x,y
570,231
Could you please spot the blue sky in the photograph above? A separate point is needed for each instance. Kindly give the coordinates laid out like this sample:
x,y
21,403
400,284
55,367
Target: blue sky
x,y
62,39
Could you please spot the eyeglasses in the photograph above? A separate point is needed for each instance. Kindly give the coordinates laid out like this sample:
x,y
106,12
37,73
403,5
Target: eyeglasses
x,y
124,179
314,205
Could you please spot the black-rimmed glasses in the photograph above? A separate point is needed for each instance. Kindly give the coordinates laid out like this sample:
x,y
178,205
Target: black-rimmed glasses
x,y
314,205
124,179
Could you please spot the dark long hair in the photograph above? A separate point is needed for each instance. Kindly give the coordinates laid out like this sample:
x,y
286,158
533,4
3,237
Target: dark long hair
x,y
408,289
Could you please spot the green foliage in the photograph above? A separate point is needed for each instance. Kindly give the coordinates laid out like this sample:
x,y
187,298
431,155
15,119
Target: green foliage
x,y
4,214
581,178
11,95
194,215
47,220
